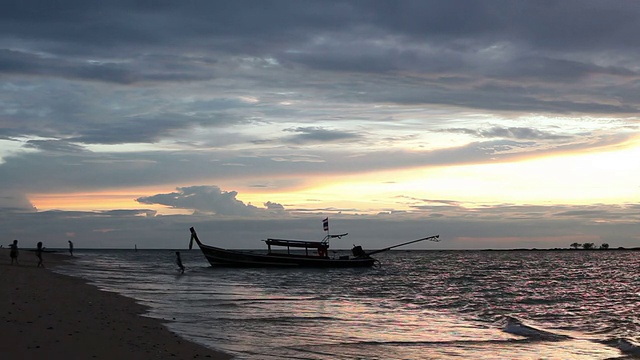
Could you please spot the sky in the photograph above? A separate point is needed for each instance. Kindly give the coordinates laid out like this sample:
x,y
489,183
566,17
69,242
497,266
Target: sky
x,y
494,124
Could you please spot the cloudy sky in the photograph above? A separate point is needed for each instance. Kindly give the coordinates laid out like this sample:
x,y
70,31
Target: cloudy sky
x,y
496,124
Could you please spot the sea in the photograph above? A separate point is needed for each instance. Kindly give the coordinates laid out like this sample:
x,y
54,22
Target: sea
x,y
571,304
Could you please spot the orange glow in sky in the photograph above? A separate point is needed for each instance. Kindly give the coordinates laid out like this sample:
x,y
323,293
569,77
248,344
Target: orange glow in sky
x,y
596,177
98,201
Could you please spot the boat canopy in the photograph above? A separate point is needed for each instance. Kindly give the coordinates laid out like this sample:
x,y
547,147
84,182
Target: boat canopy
x,y
324,244
297,243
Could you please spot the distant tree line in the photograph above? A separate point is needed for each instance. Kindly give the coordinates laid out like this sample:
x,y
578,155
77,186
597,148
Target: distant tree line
x,y
589,246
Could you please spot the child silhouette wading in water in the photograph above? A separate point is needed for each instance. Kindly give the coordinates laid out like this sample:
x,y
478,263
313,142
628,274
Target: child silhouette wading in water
x,y
179,262
39,254
14,252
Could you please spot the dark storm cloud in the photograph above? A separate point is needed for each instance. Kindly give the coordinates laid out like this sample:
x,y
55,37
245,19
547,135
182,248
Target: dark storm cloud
x,y
161,69
423,44
281,28
121,23
142,129
50,146
14,62
541,23
318,135
596,19
556,70
89,118
503,97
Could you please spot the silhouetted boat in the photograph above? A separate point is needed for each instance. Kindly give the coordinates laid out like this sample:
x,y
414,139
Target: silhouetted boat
x,y
305,254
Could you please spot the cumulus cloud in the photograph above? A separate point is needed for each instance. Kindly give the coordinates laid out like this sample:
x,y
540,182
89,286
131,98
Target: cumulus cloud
x,y
274,206
204,199
14,201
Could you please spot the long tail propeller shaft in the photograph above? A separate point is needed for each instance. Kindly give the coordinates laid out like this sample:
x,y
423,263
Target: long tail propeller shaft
x,y
435,238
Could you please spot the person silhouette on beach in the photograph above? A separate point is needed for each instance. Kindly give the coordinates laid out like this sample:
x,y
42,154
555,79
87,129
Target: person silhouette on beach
x,y
179,262
70,248
39,254
14,252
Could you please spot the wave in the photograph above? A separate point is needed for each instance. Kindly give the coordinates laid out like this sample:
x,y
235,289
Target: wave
x,y
286,319
517,327
626,346
428,343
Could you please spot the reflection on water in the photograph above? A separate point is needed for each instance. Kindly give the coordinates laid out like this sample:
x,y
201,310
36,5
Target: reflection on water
x,y
417,305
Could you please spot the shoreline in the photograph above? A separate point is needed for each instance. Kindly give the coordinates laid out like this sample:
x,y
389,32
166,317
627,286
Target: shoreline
x,y
53,316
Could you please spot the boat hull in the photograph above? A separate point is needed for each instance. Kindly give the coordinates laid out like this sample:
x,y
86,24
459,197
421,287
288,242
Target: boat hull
x,y
232,258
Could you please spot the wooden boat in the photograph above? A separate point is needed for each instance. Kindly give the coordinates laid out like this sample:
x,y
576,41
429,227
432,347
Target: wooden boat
x,y
291,253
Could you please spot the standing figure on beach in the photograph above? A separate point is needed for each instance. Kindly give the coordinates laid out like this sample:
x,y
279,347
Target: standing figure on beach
x,y
14,252
70,248
39,254
179,262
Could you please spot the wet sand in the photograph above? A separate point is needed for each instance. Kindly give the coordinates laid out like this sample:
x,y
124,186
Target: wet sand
x,y
44,315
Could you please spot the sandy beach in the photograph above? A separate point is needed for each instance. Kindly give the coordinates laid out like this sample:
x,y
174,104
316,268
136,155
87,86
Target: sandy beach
x,y
46,315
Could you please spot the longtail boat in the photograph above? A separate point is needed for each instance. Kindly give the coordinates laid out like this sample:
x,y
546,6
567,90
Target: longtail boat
x,y
305,253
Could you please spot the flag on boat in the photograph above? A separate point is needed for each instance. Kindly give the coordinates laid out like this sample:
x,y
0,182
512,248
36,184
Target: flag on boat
x,y
325,224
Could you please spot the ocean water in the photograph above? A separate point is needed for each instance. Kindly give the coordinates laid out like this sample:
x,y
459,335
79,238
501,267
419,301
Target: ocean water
x,y
415,305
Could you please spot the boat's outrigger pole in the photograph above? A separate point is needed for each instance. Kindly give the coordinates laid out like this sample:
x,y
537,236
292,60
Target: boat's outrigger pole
x,y
327,237
435,238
